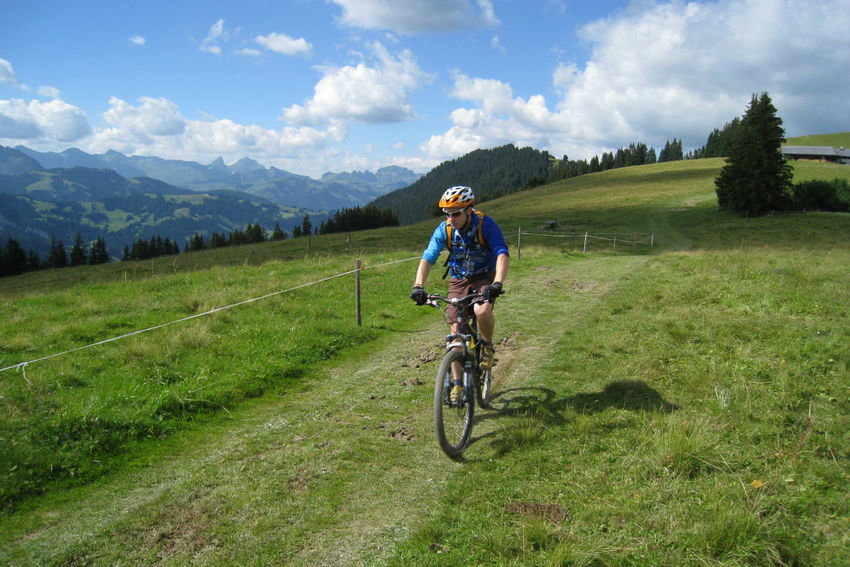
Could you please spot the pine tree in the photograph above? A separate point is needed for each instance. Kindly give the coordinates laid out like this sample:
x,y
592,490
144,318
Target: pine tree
x,y
78,251
13,259
650,156
217,240
58,258
98,253
756,179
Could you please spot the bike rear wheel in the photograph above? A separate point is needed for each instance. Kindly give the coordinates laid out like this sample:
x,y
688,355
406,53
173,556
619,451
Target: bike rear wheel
x,y
453,421
483,388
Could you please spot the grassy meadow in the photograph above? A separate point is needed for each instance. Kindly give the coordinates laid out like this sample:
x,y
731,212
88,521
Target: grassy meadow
x,y
687,404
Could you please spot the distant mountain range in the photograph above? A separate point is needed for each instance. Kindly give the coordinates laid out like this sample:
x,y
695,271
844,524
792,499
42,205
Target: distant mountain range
x,y
333,191
123,199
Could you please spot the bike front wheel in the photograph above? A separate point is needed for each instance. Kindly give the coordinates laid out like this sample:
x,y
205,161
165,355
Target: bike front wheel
x,y
453,420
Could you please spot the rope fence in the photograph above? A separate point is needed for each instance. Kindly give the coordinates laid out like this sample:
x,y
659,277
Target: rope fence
x,y
358,268
622,239
586,238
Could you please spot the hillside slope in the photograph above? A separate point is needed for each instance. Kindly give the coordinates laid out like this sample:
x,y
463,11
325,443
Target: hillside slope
x,y
840,139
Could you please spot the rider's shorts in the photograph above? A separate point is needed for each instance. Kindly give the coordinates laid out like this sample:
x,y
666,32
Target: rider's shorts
x,y
461,288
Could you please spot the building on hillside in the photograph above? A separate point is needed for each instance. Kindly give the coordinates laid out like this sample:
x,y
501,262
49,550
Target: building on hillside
x,y
817,153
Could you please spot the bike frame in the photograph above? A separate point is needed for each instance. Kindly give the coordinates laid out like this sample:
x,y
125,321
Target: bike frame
x,y
470,341
454,419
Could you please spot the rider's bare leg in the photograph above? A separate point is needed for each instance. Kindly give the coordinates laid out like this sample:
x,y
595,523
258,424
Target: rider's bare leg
x,y
486,320
457,367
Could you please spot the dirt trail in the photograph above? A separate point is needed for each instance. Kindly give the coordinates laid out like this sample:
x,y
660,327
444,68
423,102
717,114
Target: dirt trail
x,y
331,476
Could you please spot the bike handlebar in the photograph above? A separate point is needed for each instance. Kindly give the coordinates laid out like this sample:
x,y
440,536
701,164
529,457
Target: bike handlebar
x,y
475,297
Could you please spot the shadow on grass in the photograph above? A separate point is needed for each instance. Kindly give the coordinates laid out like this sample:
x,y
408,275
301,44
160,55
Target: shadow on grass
x,y
536,408
623,394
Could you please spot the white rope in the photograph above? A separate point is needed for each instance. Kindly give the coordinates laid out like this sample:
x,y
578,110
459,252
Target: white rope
x,y
624,238
23,365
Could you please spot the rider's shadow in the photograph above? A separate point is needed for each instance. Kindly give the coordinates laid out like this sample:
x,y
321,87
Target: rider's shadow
x,y
544,405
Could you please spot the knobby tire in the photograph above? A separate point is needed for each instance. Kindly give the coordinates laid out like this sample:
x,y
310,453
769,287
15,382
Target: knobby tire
x,y
453,423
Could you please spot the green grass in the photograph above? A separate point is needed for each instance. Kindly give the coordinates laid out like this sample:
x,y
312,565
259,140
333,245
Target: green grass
x,y
836,140
679,406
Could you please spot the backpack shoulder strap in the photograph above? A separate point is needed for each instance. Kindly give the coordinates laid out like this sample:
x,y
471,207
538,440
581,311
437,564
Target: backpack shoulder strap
x,y
480,232
481,228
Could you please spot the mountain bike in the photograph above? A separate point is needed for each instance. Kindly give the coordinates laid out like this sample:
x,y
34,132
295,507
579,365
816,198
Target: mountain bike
x,y
453,420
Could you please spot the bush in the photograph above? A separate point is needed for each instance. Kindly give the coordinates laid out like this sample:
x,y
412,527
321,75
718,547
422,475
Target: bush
x,y
821,195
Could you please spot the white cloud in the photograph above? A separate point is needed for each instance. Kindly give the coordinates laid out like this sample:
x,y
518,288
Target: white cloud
x,y
498,118
7,73
152,117
375,94
683,69
42,121
156,127
660,71
417,16
282,43
50,92
137,40
214,36
496,44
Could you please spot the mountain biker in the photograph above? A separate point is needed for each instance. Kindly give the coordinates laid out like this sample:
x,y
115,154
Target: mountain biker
x,y
478,259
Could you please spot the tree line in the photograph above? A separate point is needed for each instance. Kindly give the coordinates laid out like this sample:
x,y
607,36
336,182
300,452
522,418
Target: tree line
x,y
359,218
15,260
507,169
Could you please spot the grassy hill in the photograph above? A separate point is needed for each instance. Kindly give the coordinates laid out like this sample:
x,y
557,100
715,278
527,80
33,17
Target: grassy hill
x,y
836,140
681,405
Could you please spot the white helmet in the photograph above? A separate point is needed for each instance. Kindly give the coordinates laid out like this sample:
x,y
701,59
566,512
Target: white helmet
x,y
457,196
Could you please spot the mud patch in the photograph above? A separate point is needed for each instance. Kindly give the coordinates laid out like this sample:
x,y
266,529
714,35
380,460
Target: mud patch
x,y
550,512
299,483
576,286
402,433
424,356
509,342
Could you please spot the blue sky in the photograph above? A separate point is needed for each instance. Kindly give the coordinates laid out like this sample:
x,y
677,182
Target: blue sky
x,y
337,85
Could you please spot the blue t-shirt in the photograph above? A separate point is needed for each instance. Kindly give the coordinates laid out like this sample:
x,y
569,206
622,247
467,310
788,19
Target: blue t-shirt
x,y
468,257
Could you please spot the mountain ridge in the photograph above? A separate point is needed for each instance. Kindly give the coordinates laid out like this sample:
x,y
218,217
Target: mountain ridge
x,y
246,175
38,204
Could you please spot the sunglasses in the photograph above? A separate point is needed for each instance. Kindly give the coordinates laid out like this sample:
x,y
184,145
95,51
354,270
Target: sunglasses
x,y
455,214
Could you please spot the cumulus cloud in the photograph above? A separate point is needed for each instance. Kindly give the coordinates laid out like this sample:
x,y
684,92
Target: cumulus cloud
x,y
156,127
659,71
363,93
42,121
498,117
417,16
152,117
284,44
137,40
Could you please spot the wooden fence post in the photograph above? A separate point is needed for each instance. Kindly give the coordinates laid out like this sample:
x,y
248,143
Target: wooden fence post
x,y
358,317
518,243
584,251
